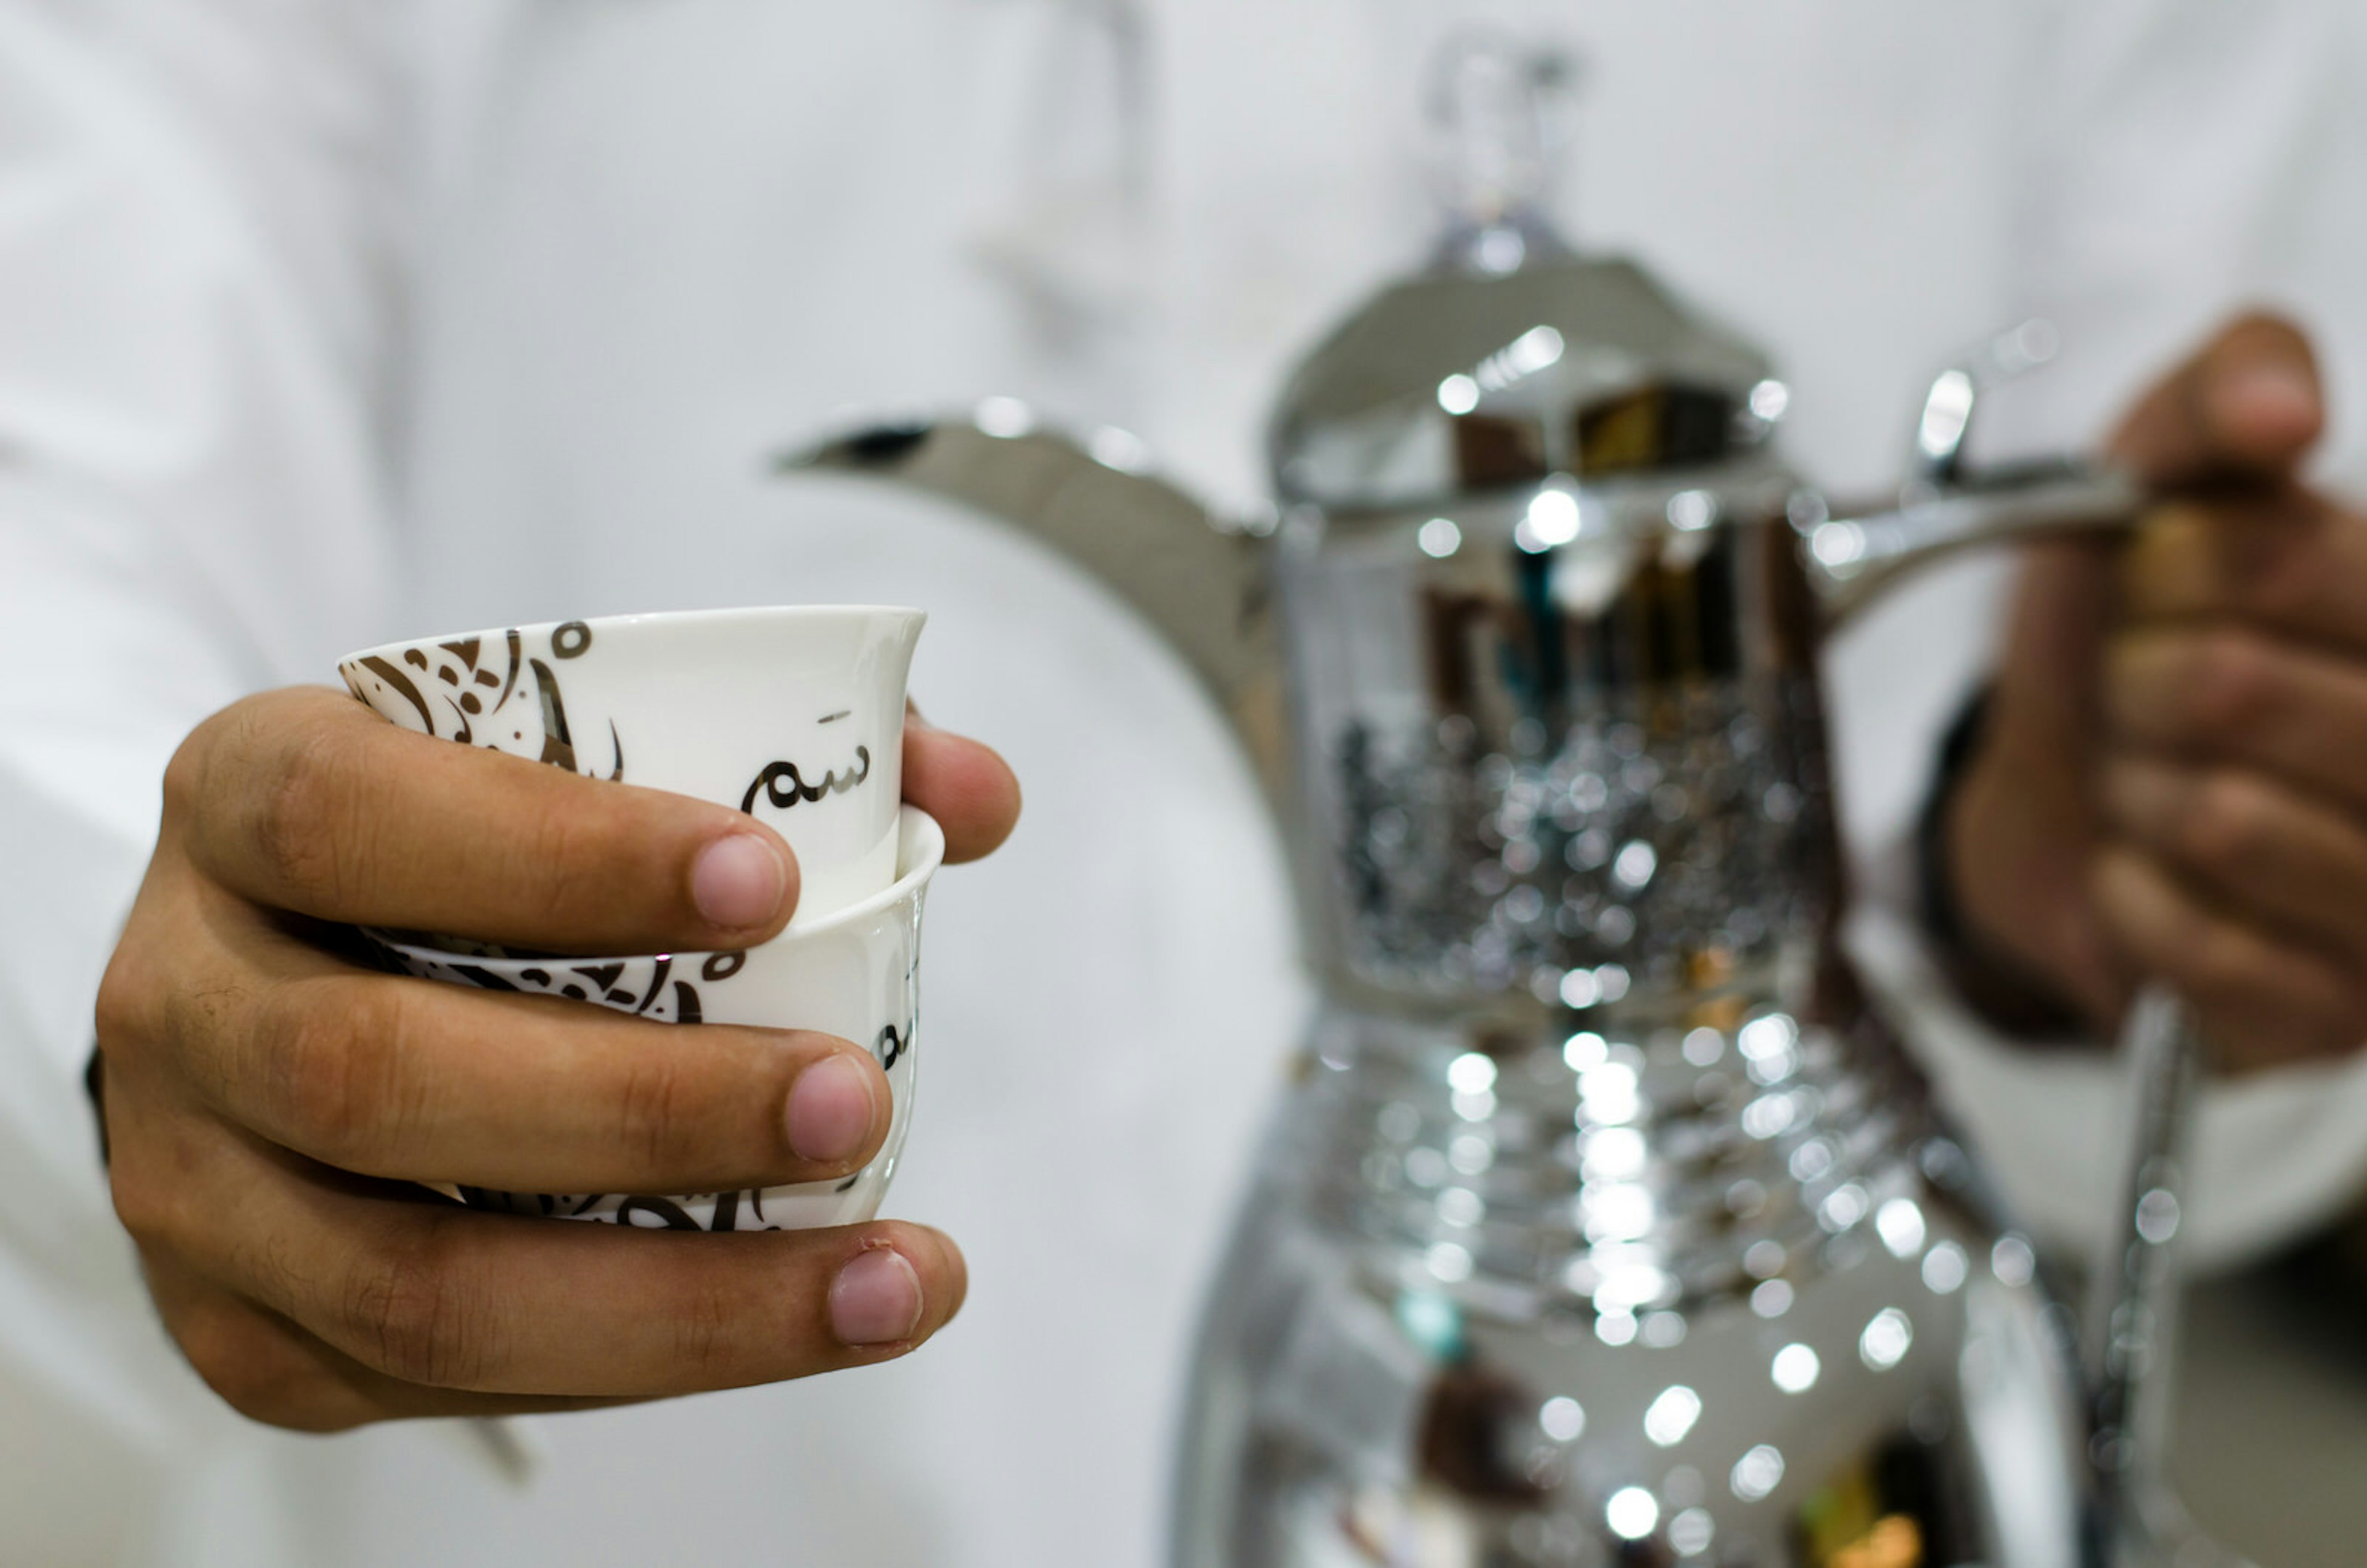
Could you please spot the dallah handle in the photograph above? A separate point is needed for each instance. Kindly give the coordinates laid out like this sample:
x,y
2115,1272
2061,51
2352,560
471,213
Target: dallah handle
x,y
1948,505
1853,560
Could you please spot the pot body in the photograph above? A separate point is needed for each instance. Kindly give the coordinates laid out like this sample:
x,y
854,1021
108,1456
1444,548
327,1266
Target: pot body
x,y
1557,776
1670,1304
1604,1224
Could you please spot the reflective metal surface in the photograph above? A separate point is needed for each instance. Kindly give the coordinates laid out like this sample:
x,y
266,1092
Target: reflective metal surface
x,y
1603,1227
1538,778
1711,1295
1543,742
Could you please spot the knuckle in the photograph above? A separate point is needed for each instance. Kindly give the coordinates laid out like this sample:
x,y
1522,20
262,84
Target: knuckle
x,y
120,1013
146,1207
184,774
656,1106
2218,963
192,772
300,826
567,860
2227,825
328,1069
2286,584
2233,688
251,1366
413,1313
155,1175
708,1335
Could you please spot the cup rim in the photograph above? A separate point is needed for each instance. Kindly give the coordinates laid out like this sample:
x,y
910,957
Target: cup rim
x,y
919,840
649,620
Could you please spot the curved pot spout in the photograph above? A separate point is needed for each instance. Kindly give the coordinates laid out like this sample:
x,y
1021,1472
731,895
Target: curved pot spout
x,y
1195,574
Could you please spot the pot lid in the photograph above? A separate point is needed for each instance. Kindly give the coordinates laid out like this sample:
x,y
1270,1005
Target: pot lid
x,y
1511,359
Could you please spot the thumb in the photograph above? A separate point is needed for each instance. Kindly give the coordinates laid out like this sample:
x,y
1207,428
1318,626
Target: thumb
x,y
2248,406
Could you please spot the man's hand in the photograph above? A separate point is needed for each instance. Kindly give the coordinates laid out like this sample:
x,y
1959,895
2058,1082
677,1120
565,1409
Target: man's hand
x,y
269,1105
2172,779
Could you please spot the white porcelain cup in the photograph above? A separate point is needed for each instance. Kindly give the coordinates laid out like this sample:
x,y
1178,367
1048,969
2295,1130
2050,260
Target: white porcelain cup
x,y
795,716
854,974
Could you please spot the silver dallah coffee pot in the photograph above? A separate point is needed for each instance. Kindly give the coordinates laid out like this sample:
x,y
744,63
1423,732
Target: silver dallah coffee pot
x,y
1602,1223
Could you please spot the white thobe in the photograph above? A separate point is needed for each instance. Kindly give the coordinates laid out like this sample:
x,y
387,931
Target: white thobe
x,y
322,323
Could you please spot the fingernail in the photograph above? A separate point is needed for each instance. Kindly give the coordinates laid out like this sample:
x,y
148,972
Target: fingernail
x,y
739,881
829,1110
875,1299
2277,397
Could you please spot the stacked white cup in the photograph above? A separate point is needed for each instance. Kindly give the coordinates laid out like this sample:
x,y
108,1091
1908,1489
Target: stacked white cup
x,y
795,716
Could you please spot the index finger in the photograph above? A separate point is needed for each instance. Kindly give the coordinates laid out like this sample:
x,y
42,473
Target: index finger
x,y
2247,407
303,800
969,788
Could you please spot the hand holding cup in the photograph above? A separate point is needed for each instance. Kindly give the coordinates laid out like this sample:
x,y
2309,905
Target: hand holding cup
x,y
270,1103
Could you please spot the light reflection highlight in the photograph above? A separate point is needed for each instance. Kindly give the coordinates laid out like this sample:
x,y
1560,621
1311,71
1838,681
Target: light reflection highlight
x,y
1768,1116
1614,1154
1842,1208
1120,450
1618,1211
1539,348
1635,864
1006,419
1690,511
1471,1073
1671,1416
1885,1340
1562,1419
1796,1369
1899,1222
1632,1513
1771,1035
1757,1474
1628,1285
1608,1092
1946,1267
1553,518
1449,1262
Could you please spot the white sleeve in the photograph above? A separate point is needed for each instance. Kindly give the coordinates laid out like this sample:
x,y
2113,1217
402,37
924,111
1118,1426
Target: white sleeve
x,y
193,256
2182,161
